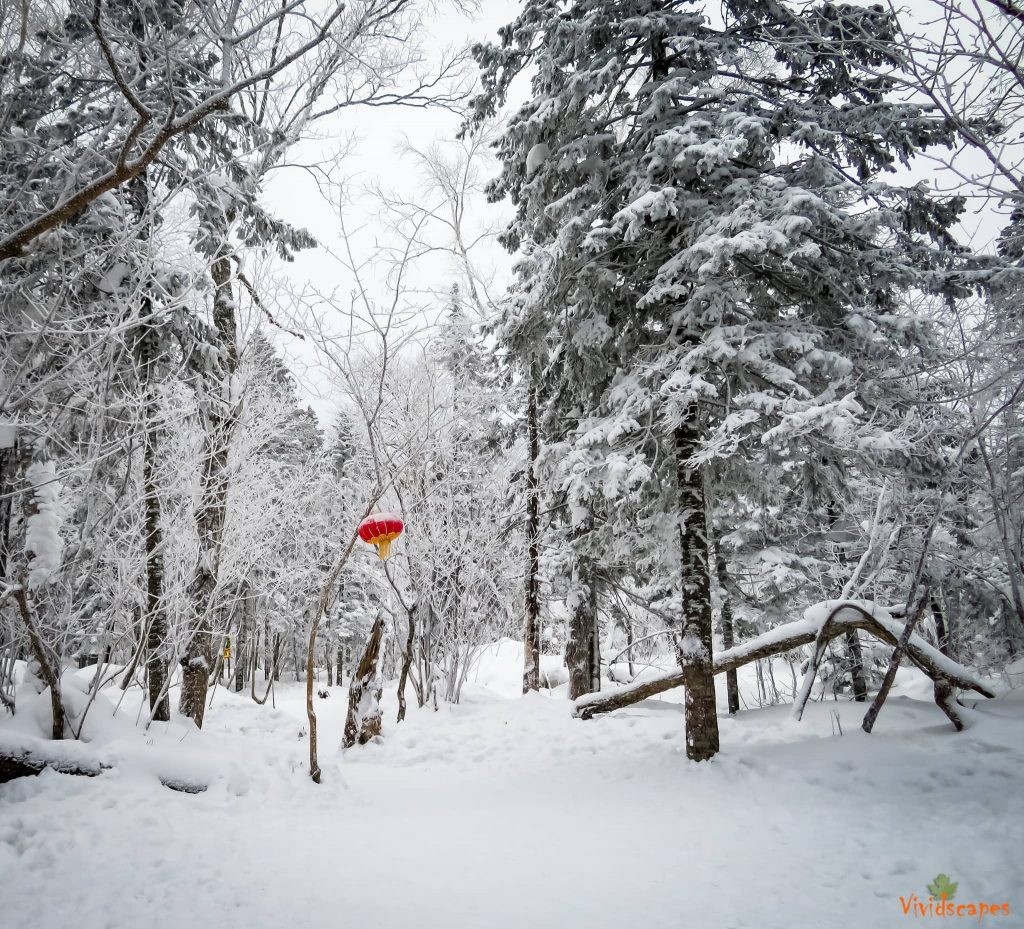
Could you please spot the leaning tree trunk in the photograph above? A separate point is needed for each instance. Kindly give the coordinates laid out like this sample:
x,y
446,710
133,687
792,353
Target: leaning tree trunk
x,y
48,661
792,635
407,654
363,721
728,631
582,646
198,657
46,657
695,647
531,630
914,615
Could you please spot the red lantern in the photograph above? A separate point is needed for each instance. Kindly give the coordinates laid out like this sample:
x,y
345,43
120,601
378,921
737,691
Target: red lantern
x,y
380,530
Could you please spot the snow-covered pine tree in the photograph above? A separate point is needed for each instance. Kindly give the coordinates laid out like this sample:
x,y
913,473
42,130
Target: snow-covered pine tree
x,y
726,257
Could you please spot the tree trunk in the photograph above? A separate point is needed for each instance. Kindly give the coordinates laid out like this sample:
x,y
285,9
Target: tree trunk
x,y
8,459
156,617
363,721
629,645
242,642
406,663
695,646
198,657
854,655
894,663
728,631
582,646
942,687
855,659
49,663
531,631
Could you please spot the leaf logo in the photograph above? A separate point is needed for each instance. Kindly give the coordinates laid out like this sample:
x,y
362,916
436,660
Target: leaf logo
x,y
943,888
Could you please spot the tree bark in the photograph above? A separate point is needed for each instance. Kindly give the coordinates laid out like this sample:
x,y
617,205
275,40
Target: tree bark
x,y
363,721
894,662
695,645
156,618
406,662
728,632
8,459
242,641
582,646
855,658
198,658
531,630
854,654
50,669
942,687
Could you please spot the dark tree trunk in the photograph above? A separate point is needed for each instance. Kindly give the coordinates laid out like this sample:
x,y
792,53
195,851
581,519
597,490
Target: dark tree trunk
x,y
406,662
363,721
531,630
695,646
156,618
942,687
855,659
147,352
198,658
242,641
8,459
48,661
728,631
894,663
582,648
628,623
854,656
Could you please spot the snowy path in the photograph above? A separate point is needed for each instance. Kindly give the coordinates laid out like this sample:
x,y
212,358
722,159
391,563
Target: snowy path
x,y
509,813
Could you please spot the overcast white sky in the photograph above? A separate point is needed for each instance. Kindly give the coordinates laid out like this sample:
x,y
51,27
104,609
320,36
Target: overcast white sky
x,y
293,194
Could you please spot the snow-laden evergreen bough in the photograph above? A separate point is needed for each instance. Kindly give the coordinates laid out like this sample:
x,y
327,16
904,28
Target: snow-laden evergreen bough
x,y
714,268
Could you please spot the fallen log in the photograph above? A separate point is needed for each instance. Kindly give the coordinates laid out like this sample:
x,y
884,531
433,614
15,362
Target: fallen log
x,y
30,758
23,762
841,618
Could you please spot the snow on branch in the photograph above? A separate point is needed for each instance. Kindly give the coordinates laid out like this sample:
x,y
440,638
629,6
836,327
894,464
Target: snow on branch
x,y
845,617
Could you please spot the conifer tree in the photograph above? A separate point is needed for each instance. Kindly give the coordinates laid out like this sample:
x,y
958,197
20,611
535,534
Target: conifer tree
x,y
725,258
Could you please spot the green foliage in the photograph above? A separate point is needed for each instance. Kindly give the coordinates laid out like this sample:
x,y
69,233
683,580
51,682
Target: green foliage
x,y
942,887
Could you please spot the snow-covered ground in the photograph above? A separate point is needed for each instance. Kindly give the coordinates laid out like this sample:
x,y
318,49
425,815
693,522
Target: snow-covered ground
x,y
506,812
